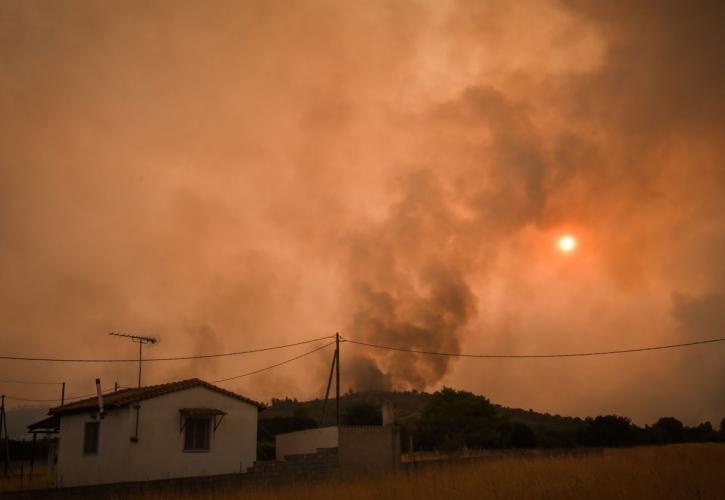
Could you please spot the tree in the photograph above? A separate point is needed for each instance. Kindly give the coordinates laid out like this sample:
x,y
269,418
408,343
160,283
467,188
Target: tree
x,y
268,428
362,413
668,430
701,433
522,436
457,419
609,430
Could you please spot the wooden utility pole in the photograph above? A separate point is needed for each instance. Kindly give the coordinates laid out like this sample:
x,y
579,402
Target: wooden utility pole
x,y
62,394
32,454
140,358
329,384
4,431
337,375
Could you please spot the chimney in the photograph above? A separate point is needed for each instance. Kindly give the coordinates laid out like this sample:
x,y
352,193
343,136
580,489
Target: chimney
x,y
101,412
388,413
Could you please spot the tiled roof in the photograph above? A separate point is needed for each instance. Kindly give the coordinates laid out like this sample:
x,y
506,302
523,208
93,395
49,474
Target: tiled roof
x,y
126,397
47,425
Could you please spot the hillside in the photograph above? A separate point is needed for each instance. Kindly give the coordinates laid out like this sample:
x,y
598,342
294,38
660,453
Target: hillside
x,y
408,407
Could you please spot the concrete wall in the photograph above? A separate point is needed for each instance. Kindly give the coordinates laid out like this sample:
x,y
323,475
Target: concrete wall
x,y
360,449
307,441
159,453
369,448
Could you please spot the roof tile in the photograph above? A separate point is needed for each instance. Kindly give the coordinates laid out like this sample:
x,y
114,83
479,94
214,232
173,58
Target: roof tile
x,y
126,397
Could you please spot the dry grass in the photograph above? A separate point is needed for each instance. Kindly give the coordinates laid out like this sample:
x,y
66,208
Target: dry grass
x,y
694,471
41,478
679,471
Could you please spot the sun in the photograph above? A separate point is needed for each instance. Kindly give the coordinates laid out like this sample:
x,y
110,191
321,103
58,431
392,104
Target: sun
x,y
566,243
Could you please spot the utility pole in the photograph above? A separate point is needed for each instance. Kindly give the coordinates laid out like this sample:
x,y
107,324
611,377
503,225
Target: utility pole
x,y
141,341
329,384
334,368
62,394
140,357
4,430
337,375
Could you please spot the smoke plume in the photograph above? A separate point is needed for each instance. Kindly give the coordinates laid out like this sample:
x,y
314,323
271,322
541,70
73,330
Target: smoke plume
x,y
229,175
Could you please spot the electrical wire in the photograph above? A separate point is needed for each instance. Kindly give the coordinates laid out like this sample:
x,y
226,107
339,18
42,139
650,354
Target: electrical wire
x,y
33,400
295,358
354,342
56,400
176,358
272,366
522,356
29,382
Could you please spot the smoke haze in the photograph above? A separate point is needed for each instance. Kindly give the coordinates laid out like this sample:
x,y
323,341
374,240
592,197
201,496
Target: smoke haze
x,y
230,175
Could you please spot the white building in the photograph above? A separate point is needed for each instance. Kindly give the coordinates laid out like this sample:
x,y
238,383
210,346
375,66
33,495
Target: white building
x,y
187,428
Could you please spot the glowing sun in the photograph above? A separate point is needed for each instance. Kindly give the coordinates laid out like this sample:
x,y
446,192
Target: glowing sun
x,y
566,243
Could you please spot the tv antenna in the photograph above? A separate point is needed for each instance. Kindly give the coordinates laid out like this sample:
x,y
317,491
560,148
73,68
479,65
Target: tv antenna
x,y
141,341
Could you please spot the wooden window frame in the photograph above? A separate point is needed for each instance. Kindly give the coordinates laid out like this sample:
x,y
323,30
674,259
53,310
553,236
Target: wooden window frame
x,y
191,425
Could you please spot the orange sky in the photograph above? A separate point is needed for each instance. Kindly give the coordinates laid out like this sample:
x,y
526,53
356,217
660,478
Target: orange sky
x,y
226,175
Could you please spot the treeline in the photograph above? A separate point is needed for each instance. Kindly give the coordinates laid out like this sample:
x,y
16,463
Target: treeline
x,y
613,430
460,419
21,450
454,420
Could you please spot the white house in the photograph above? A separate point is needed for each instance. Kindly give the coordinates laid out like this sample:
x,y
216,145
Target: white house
x,y
181,429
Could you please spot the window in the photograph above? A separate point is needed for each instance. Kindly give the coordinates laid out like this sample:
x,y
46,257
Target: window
x,y
196,434
90,438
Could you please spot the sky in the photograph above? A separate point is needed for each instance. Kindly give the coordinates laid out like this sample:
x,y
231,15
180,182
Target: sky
x,y
228,175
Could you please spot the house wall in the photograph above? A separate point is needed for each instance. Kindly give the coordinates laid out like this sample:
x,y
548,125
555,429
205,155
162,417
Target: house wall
x,y
159,452
307,441
75,468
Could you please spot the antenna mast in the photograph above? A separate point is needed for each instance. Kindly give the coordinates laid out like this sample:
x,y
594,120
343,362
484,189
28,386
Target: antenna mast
x,y
140,341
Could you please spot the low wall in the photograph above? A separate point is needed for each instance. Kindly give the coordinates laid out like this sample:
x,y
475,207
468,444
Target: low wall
x,y
360,449
369,448
305,442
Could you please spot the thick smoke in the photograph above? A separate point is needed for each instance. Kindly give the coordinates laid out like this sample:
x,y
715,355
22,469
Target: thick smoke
x,y
226,175
410,273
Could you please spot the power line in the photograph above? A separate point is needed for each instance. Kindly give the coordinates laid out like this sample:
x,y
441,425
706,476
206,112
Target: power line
x,y
521,356
81,396
272,366
263,349
31,382
55,400
32,400
295,358
351,341
176,358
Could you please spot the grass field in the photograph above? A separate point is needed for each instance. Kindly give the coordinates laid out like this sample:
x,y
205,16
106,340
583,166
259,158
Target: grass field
x,y
678,471
694,471
41,478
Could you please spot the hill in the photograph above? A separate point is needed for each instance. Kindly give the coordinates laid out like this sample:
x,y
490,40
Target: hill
x,y
409,405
